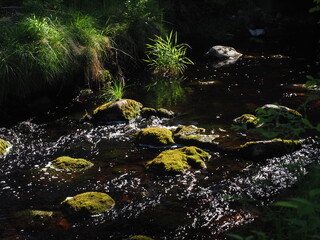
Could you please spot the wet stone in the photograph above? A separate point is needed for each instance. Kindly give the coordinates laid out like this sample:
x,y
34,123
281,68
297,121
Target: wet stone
x,y
257,150
194,136
138,237
122,110
247,120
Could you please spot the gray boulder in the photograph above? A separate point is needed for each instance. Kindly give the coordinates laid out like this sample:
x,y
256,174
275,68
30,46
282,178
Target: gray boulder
x,y
223,52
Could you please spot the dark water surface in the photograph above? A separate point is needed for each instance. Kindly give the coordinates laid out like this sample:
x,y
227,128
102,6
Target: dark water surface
x,y
197,205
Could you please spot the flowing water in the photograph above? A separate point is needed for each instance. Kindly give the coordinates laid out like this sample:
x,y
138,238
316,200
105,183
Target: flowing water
x,y
201,204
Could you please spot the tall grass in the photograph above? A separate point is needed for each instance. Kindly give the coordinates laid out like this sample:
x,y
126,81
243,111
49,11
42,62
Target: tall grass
x,y
166,57
113,92
41,51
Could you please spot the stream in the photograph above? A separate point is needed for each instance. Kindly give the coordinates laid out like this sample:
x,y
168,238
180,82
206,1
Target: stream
x,y
201,204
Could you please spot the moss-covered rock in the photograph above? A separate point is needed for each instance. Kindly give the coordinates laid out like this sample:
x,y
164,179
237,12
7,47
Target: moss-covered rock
x,y
71,164
248,120
160,112
267,149
122,110
148,112
277,114
154,136
178,160
89,203
139,237
194,136
33,218
4,147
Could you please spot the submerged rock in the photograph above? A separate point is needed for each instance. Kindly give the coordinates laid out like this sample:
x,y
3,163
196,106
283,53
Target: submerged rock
x,y
248,120
268,149
223,52
154,136
178,160
71,164
193,136
33,218
89,203
122,110
160,112
4,147
139,237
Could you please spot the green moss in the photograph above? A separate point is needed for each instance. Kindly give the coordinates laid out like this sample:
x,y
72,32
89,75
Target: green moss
x,y
89,203
34,214
155,136
188,130
178,160
131,109
102,107
139,237
4,147
247,119
71,164
275,140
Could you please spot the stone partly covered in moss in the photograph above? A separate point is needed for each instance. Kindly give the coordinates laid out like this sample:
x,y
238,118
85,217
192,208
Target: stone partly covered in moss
x,y
4,147
33,218
154,136
87,204
194,136
148,112
248,120
122,110
267,149
160,112
178,160
139,237
271,113
71,164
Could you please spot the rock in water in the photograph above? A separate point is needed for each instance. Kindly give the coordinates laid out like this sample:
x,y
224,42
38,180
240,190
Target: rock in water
x,y
87,204
194,136
257,150
122,110
71,164
178,160
154,136
248,120
223,52
4,147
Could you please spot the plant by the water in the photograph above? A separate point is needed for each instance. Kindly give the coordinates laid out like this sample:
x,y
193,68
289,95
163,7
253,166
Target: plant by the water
x,y
166,57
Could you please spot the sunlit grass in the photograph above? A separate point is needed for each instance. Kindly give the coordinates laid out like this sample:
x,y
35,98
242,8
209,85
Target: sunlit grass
x,y
166,57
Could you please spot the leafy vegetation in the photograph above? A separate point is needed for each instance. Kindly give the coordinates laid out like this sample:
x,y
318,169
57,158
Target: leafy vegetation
x,y
298,218
40,51
166,57
113,92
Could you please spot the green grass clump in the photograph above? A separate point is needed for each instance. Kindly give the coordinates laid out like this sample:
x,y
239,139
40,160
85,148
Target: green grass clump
x,y
166,57
37,52
113,92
